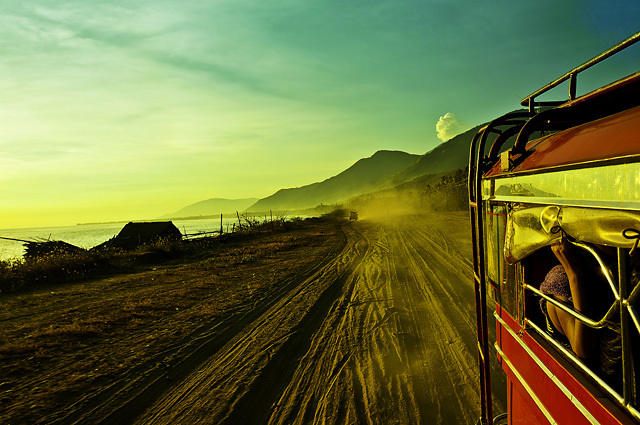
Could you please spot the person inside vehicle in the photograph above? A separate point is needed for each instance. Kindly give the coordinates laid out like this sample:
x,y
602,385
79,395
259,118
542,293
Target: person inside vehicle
x,y
572,283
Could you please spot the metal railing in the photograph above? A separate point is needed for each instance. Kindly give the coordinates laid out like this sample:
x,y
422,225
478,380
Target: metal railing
x,y
622,306
523,124
572,75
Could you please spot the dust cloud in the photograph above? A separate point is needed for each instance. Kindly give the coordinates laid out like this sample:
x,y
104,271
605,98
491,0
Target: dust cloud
x,y
395,205
449,193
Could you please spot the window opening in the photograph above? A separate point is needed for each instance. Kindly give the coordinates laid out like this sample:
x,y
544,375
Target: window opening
x,y
494,245
614,319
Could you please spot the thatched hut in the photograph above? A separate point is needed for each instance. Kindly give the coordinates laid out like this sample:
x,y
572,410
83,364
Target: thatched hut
x,y
134,235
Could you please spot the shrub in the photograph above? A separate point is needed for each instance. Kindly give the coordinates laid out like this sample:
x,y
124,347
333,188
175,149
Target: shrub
x,y
53,268
65,266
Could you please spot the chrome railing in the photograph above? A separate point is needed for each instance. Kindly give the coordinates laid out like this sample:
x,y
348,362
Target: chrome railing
x,y
622,304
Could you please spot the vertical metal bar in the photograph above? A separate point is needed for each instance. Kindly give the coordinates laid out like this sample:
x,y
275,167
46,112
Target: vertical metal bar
x,y
532,105
481,292
474,217
473,199
484,400
627,364
476,169
573,84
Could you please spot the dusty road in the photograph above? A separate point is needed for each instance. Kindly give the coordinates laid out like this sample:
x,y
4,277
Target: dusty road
x,y
377,328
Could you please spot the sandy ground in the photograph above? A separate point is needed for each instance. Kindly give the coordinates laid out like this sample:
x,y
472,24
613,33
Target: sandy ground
x,y
367,322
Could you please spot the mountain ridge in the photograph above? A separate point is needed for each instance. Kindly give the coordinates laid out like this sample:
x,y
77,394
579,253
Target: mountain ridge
x,y
385,169
213,206
365,174
447,156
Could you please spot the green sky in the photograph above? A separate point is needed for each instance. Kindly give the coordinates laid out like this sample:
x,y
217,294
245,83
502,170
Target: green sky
x,y
133,109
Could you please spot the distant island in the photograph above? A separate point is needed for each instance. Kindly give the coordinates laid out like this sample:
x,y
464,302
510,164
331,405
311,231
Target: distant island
x,y
103,222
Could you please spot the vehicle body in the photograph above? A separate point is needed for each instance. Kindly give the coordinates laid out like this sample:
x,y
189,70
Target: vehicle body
x,y
353,215
563,169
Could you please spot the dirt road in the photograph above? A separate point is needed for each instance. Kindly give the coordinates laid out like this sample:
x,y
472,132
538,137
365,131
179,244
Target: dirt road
x,y
376,327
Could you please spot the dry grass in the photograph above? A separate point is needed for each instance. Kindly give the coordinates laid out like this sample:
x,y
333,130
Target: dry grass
x,y
65,340
54,268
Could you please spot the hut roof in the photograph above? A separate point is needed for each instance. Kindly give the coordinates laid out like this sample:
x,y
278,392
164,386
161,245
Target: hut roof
x,y
136,234
149,229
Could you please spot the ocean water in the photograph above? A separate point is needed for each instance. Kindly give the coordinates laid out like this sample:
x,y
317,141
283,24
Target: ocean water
x,y
90,235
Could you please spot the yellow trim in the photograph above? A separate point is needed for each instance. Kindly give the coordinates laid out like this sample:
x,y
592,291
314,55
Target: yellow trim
x,y
549,374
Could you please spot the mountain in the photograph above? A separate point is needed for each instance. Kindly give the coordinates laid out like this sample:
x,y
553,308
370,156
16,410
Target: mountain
x,y
383,170
365,175
448,156
213,206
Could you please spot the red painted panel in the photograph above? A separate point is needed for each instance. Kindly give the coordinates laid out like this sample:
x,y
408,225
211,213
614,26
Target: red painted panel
x,y
611,137
562,410
593,404
557,403
519,402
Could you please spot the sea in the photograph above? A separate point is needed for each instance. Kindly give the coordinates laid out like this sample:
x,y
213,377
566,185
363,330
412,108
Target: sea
x,y
90,235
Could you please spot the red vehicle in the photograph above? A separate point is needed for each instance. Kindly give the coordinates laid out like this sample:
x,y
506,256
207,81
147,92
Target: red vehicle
x,y
560,177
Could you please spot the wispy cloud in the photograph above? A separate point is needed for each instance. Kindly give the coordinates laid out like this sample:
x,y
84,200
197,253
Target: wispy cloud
x,y
103,98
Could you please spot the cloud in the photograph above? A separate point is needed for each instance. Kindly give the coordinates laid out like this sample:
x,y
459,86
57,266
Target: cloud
x,y
449,126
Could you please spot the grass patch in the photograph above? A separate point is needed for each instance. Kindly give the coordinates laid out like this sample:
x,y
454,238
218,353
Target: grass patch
x,y
72,330
55,268
62,267
59,344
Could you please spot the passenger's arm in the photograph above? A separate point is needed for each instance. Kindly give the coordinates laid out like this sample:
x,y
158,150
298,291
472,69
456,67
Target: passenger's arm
x,y
583,339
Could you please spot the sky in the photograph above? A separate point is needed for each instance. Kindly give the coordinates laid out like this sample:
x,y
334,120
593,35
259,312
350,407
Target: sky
x,y
129,110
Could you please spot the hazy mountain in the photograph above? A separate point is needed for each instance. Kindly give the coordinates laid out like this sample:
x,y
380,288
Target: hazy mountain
x,y
213,206
448,156
383,170
365,175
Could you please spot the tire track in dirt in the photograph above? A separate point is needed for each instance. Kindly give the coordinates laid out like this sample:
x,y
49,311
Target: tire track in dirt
x,y
399,352
382,332
230,382
257,404
123,401
442,366
404,351
318,372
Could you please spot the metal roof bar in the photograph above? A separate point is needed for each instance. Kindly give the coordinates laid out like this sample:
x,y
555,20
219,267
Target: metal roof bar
x,y
571,75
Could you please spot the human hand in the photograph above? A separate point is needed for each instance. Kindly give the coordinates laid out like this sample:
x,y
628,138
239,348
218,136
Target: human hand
x,y
567,254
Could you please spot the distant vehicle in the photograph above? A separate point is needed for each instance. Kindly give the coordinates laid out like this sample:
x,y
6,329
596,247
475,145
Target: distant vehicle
x,y
353,215
564,170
